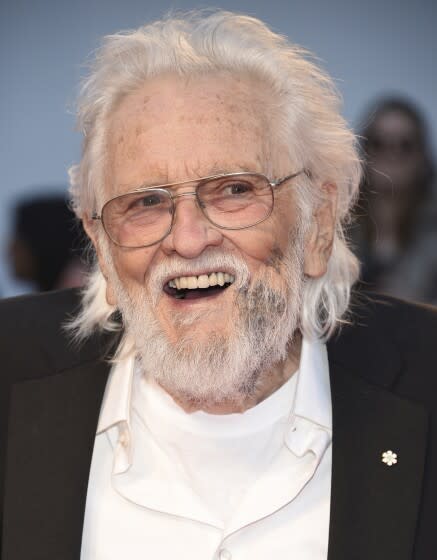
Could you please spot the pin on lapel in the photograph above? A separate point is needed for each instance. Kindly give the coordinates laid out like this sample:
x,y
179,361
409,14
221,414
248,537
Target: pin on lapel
x,y
389,458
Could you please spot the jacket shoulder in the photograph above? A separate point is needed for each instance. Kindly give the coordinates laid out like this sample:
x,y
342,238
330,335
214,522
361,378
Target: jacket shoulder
x,y
26,311
391,343
33,339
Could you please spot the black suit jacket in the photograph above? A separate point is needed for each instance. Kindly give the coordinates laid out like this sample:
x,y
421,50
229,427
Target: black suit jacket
x,y
383,371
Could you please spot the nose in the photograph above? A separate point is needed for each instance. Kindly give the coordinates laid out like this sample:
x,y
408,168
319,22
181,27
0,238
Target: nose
x,y
191,233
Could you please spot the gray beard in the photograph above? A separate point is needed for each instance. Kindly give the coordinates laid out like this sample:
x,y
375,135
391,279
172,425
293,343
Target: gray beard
x,y
225,368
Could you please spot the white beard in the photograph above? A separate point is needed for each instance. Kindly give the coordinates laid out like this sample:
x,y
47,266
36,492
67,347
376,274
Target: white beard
x,y
225,367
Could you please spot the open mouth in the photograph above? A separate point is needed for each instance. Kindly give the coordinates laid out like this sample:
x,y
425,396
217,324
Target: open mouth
x,y
195,287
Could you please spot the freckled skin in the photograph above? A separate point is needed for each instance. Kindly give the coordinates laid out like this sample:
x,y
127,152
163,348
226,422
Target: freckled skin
x,y
197,111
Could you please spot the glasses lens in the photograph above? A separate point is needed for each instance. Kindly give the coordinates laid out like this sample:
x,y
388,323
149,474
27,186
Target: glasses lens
x,y
236,201
138,219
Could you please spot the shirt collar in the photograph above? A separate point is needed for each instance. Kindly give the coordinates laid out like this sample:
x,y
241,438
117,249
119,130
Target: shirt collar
x,y
117,398
313,392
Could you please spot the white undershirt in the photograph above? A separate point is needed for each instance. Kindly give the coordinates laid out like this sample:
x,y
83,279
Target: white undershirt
x,y
165,484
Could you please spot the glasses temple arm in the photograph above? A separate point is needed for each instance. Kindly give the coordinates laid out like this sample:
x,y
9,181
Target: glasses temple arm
x,y
279,182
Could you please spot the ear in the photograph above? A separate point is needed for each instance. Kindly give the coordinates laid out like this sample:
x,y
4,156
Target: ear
x,y
318,246
90,226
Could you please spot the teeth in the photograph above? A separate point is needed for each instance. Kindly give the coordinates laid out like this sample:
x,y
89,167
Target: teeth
x,y
202,281
192,282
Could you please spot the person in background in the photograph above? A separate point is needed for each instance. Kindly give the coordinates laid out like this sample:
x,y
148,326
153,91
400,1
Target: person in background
x,y
45,248
396,230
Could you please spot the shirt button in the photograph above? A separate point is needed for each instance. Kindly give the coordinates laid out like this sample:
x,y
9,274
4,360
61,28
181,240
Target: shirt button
x,y
225,554
123,439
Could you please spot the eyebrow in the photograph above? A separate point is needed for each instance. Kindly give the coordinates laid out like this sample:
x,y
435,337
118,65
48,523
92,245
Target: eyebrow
x,y
220,169
224,170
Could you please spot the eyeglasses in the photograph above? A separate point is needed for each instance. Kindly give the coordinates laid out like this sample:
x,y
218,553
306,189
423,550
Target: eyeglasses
x,y
231,201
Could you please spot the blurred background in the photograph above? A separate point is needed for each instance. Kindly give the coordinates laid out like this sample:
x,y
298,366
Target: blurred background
x,y
381,54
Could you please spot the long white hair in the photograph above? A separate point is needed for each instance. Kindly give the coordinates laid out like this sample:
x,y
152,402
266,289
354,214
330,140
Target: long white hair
x,y
307,117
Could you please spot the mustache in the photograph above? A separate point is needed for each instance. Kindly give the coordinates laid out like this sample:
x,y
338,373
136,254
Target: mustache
x,y
211,259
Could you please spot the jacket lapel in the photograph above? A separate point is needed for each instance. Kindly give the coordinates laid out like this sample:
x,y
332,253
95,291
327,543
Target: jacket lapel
x,y
51,436
374,507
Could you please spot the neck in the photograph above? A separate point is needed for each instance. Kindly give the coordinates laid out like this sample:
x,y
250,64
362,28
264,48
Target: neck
x,y
268,382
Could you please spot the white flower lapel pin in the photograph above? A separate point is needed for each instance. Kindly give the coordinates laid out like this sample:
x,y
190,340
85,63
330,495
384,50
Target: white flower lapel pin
x,y
389,458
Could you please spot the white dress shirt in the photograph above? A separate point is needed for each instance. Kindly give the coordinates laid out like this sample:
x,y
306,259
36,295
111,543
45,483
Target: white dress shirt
x,y
165,484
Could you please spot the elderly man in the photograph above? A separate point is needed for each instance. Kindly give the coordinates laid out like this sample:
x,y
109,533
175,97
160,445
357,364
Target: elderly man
x,y
188,406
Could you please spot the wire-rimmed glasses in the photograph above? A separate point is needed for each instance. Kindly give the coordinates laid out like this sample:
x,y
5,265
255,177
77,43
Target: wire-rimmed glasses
x,y
229,201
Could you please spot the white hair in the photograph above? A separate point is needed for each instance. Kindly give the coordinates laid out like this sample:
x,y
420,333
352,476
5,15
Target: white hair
x,y
308,120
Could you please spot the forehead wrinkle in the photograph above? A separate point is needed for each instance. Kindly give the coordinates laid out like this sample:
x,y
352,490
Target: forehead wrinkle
x,y
132,151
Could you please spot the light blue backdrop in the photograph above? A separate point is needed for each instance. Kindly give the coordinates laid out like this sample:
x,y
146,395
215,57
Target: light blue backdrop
x,y
370,47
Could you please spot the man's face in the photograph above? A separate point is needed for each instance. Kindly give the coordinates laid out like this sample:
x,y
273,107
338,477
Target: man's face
x,y
174,130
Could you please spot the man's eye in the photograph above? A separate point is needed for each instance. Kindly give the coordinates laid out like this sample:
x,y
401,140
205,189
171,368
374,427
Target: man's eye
x,y
239,188
150,200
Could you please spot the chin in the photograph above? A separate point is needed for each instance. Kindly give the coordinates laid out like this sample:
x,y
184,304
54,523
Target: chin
x,y
197,325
